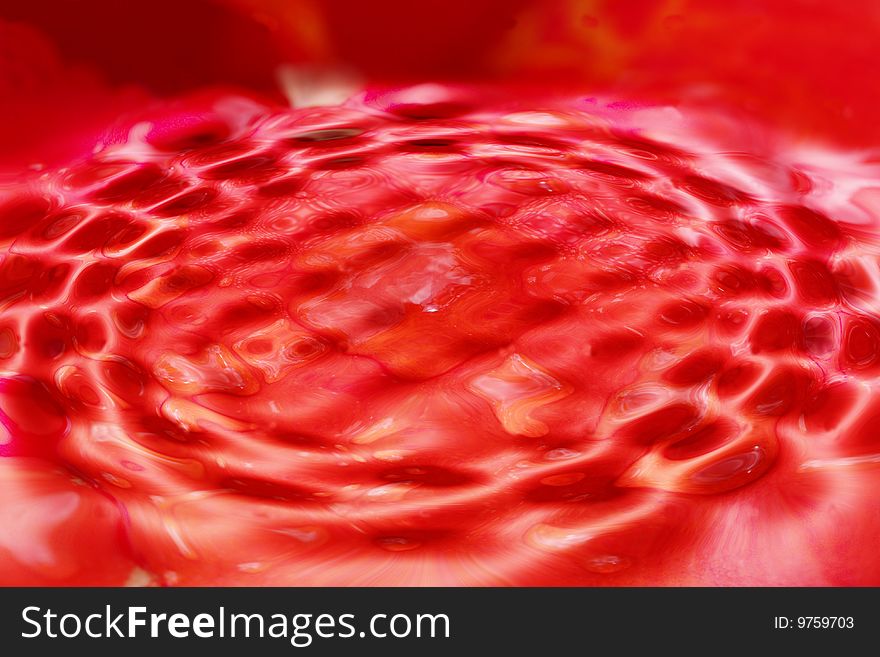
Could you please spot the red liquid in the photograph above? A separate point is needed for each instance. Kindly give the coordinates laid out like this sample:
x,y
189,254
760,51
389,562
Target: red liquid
x,y
414,340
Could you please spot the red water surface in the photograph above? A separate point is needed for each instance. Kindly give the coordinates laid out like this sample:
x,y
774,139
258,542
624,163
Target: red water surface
x,y
441,335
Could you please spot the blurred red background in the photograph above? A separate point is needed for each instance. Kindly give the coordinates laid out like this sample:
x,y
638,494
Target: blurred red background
x,y
69,67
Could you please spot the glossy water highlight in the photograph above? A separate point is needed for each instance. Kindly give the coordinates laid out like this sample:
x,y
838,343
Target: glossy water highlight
x,y
417,339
